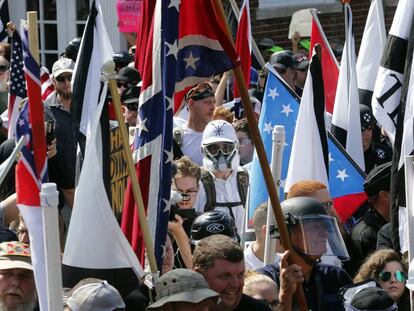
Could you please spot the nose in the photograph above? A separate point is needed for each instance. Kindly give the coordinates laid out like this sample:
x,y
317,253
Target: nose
x,y
235,282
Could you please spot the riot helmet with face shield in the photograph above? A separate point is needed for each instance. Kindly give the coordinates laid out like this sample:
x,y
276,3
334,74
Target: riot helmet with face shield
x,y
312,231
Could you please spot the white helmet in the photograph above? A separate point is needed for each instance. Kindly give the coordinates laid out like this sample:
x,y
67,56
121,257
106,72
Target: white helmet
x,y
220,146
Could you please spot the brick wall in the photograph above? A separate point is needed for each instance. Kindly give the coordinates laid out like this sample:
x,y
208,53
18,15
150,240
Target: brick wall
x,y
332,23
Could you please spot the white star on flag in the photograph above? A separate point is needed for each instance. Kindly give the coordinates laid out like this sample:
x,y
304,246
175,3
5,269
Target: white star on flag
x,y
141,126
167,205
286,110
170,156
170,103
273,93
268,128
330,158
175,4
172,48
342,174
190,61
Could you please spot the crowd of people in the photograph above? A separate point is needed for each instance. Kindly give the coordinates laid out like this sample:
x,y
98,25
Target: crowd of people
x,y
207,263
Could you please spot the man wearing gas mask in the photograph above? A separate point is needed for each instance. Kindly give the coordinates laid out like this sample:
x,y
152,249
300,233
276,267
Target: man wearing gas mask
x,y
224,182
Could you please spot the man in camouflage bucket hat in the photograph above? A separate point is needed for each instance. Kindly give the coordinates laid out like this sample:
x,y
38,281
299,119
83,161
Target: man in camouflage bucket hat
x,y
17,286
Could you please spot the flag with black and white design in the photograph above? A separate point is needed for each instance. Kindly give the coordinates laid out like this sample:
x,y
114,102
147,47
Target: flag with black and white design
x,y
346,124
309,156
387,91
370,52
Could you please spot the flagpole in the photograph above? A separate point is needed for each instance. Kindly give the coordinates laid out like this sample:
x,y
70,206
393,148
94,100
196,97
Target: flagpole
x,y
33,35
255,48
49,198
109,72
258,143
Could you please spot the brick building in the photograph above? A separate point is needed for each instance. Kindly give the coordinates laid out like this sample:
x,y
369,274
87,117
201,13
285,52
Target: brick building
x,y
276,26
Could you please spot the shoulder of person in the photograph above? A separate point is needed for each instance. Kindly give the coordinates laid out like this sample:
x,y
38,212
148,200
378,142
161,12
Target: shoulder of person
x,y
382,151
248,302
271,271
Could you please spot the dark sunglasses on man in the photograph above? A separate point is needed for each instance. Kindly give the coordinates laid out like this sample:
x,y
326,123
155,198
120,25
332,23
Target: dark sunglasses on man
x,y
63,78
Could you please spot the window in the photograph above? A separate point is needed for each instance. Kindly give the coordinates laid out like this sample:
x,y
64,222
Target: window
x,y
47,22
282,8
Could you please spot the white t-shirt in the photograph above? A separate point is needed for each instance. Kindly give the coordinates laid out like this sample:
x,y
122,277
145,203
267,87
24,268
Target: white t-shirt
x,y
192,144
250,260
226,191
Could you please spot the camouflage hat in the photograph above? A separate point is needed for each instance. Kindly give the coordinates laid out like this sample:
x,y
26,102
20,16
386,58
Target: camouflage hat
x,y
15,255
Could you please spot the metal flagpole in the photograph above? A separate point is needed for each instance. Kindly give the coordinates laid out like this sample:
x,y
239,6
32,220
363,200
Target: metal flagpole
x,y
49,199
278,145
409,193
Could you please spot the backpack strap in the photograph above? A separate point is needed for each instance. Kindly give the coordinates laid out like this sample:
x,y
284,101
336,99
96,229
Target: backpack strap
x,y
210,189
178,142
243,185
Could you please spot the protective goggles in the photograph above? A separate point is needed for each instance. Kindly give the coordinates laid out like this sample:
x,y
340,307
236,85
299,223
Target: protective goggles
x,y
400,276
223,147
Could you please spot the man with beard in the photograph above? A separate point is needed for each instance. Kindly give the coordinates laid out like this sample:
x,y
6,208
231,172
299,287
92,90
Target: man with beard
x,y
17,286
57,111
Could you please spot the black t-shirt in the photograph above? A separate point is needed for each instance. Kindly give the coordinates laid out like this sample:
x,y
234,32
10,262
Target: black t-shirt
x,y
62,166
248,303
8,186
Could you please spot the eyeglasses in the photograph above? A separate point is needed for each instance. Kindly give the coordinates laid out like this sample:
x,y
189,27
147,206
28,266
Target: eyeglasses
x,y
224,147
400,276
62,79
328,204
3,67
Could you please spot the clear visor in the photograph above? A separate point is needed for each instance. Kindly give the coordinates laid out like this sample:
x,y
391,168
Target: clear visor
x,y
318,235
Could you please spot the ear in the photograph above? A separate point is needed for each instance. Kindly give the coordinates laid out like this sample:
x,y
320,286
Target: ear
x,y
384,195
264,231
199,270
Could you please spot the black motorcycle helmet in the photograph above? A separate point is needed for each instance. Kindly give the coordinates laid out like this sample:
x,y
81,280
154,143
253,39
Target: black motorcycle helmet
x,y
210,223
122,59
72,48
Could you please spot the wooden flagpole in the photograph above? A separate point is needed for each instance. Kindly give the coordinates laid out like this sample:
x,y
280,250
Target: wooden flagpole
x,y
258,143
109,71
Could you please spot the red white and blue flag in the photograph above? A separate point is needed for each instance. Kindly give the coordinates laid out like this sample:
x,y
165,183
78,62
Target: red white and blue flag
x,y
202,47
17,83
189,47
153,140
31,170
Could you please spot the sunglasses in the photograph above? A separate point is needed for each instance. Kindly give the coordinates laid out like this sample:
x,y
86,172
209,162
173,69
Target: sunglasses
x,y
225,148
122,84
328,204
400,276
62,79
3,68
